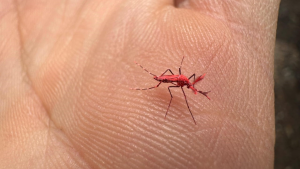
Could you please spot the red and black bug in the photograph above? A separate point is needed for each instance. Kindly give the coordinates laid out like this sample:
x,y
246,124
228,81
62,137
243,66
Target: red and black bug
x,y
177,80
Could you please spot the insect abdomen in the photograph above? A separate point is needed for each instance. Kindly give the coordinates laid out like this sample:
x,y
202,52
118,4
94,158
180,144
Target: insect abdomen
x,y
168,78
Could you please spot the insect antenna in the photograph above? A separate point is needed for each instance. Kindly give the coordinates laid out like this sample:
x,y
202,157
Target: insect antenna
x,y
145,69
180,65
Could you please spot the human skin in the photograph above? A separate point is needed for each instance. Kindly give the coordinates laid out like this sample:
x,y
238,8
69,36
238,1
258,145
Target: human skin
x,y
66,68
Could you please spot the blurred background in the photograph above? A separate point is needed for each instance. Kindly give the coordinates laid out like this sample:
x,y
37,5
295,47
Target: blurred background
x,y
287,86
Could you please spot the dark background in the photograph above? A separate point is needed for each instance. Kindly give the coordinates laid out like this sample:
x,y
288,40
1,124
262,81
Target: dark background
x,y
287,86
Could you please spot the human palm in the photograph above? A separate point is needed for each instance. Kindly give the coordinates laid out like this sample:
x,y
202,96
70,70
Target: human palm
x,y
66,68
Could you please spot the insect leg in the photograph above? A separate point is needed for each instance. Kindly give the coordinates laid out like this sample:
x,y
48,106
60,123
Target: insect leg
x,y
192,76
204,93
166,72
147,88
188,104
170,100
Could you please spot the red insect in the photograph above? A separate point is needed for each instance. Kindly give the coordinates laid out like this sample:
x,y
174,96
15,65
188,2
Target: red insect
x,y
177,80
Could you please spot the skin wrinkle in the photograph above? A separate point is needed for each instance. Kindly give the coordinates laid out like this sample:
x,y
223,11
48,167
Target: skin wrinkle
x,y
224,75
240,154
76,27
24,67
102,133
215,56
173,142
224,67
160,152
226,79
223,121
3,46
178,152
38,34
260,111
65,161
46,160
